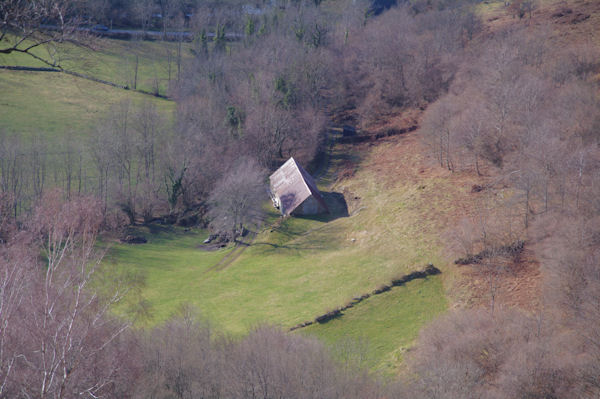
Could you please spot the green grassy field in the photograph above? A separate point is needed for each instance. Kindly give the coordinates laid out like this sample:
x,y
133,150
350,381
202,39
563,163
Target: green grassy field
x,y
170,263
53,108
115,61
54,104
280,280
382,328
300,268
290,273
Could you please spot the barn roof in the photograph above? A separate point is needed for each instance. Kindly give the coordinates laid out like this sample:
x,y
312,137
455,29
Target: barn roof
x,y
293,185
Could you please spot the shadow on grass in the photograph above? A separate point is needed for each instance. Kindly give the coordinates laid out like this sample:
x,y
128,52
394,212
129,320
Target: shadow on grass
x,y
295,247
157,233
289,230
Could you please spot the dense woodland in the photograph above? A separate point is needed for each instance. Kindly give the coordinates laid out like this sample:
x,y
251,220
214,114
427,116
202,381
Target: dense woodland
x,y
515,105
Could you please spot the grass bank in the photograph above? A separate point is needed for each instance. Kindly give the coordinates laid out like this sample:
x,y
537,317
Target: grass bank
x,y
379,330
54,104
116,61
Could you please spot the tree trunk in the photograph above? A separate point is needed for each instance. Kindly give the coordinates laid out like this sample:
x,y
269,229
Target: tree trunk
x,y
135,76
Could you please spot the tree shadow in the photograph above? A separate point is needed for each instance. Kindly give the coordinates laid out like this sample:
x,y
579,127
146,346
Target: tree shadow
x,y
295,247
157,229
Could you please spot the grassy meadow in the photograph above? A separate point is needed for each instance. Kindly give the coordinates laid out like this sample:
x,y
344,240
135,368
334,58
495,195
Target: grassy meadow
x,y
54,104
114,61
299,268
53,107
381,329
291,273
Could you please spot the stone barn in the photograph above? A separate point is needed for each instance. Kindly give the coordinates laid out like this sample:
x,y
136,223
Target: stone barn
x,y
294,191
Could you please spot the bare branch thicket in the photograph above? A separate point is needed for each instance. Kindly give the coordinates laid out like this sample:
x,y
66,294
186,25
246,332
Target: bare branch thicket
x,y
65,340
149,133
236,202
39,28
178,358
477,354
143,11
546,130
409,62
130,169
439,132
199,153
567,243
184,358
16,270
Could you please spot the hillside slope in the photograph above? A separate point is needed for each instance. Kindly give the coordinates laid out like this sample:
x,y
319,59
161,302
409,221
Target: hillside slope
x,y
400,207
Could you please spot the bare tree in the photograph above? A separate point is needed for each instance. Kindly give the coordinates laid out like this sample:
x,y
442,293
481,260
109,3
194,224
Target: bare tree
x,y
148,125
38,168
123,154
180,359
16,270
236,202
150,128
27,26
473,131
71,161
100,148
143,10
62,342
439,131
12,170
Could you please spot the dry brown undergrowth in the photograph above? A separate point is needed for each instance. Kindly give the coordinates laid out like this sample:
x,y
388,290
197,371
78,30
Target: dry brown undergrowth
x,y
403,159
